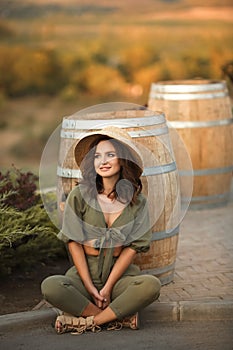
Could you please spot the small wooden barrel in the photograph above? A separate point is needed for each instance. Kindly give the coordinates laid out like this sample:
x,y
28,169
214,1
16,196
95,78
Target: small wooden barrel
x,y
160,177
200,110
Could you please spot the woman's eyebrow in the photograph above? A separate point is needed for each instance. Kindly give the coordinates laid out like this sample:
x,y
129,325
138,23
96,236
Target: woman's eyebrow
x,y
106,152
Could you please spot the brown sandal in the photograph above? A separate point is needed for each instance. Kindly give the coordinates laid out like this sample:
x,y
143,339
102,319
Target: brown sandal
x,y
114,326
131,322
75,325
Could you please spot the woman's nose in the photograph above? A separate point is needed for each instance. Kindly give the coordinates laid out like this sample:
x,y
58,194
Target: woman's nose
x,y
104,160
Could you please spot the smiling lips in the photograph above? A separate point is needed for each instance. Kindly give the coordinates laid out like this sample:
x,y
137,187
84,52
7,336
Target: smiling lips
x,y
104,168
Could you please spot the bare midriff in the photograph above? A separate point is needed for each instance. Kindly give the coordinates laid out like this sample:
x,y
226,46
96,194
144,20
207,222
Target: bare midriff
x,y
90,250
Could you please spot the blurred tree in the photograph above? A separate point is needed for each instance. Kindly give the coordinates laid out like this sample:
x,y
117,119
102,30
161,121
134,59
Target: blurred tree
x,y
100,80
134,58
25,71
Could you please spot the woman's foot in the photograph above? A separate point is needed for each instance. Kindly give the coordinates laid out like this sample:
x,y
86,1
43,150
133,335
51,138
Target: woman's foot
x,y
75,325
128,322
131,322
58,326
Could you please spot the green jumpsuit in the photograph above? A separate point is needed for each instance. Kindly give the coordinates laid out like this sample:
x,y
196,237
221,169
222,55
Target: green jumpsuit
x,y
84,221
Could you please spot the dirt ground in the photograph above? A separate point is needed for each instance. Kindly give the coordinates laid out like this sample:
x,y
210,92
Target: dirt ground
x,y
21,290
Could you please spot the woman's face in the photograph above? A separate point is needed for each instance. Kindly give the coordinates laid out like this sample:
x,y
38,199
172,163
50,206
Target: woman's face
x,y
106,162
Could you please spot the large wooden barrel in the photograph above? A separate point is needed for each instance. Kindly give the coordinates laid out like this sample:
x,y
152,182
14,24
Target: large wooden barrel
x,y
160,177
200,110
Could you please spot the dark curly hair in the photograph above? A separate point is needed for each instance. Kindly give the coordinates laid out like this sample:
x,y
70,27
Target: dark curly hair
x,y
125,191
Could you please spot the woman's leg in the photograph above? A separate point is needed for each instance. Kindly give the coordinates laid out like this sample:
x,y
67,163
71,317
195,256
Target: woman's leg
x,y
130,294
107,315
68,295
133,293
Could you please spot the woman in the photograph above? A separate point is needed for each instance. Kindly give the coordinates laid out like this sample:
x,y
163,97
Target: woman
x,y
106,223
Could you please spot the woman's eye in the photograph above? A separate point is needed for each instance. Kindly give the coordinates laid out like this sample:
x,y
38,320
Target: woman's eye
x,y
96,156
111,155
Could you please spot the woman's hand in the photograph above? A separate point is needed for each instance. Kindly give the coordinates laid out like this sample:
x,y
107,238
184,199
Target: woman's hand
x,y
98,299
106,294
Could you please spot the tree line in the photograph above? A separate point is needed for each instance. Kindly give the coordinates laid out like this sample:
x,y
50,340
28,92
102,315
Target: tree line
x,y
26,71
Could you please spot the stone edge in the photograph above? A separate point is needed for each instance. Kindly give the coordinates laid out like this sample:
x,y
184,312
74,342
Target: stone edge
x,y
157,312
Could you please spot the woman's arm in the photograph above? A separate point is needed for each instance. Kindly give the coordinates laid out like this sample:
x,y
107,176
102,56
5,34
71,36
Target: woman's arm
x,y
121,264
79,259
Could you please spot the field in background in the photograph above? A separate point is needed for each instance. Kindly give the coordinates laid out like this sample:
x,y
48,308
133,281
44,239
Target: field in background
x,y
56,62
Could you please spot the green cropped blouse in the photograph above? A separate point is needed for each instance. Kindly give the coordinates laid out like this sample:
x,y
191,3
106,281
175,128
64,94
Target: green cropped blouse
x,y
84,221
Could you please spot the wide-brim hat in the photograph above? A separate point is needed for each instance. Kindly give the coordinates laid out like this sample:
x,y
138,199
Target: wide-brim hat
x,y
84,144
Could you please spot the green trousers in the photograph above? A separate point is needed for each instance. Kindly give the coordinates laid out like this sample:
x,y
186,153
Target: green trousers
x,y
131,293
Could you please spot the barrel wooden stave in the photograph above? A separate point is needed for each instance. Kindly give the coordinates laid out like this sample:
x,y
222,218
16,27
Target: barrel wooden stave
x,y
204,121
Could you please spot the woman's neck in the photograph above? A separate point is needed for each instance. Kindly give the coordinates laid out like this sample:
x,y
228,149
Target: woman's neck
x,y
109,184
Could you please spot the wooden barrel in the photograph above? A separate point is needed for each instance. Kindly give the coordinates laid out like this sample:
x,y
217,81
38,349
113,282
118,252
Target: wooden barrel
x,y
160,177
200,110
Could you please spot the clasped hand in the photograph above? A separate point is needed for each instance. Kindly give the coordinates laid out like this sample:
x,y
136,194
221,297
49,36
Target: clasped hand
x,y
102,298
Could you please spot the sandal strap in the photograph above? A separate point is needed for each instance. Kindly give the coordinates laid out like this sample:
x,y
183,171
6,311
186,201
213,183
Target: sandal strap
x,y
131,321
114,326
77,325
89,322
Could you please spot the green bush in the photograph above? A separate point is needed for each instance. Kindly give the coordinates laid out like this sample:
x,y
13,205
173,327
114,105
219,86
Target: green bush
x,y
27,236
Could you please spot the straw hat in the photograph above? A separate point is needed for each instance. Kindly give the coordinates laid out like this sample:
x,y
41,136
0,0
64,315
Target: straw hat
x,y
83,145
